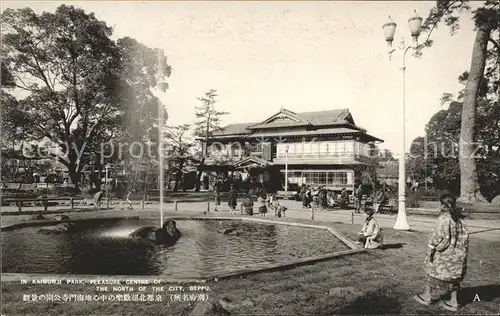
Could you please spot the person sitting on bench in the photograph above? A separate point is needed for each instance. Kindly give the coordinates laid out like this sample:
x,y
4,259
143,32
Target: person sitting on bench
x,y
370,236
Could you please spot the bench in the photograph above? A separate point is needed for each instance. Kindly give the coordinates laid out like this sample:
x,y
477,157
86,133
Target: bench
x,y
19,202
12,186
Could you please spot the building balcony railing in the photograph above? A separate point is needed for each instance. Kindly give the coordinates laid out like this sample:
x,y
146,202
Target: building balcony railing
x,y
316,155
342,157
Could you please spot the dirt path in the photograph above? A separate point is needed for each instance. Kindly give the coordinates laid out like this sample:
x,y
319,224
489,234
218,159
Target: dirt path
x,y
479,228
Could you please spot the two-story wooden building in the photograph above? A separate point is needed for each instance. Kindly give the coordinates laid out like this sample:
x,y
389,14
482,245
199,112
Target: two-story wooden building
x,y
323,148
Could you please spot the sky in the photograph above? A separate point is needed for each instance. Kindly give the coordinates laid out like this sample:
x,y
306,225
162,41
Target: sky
x,y
302,56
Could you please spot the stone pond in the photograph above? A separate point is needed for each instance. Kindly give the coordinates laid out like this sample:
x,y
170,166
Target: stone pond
x,y
206,247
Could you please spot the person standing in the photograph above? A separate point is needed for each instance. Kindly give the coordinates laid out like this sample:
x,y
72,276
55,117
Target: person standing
x,y
248,205
344,199
97,198
445,263
309,197
324,197
129,202
379,200
359,198
233,195
303,196
217,195
261,204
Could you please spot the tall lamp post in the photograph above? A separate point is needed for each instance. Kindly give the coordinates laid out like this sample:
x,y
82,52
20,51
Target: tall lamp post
x,y
389,29
286,169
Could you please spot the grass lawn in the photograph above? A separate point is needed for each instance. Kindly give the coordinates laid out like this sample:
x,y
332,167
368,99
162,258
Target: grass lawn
x,y
377,282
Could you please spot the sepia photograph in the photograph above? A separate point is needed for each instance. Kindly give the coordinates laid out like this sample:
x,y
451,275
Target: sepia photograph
x,y
200,158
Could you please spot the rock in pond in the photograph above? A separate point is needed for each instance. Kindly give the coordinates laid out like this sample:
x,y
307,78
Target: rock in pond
x,y
226,231
37,217
167,235
61,217
57,229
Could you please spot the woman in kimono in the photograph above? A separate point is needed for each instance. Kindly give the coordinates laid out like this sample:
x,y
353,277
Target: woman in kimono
x,y
261,205
344,199
323,197
217,194
303,196
370,236
446,261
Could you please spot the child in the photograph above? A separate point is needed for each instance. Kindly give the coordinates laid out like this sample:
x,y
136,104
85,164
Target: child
x,y
97,198
279,210
129,202
247,205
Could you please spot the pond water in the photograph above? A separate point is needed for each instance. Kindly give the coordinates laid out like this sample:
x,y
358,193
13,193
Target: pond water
x,y
103,247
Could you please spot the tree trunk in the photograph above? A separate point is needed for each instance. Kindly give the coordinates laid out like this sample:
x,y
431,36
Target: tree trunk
x,y
469,185
96,177
204,156
177,181
74,175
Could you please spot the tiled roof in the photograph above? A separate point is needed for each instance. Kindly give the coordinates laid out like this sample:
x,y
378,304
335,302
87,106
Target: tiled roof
x,y
277,124
324,117
316,118
234,129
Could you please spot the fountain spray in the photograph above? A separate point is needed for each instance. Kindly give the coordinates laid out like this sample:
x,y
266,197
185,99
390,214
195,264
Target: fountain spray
x,y
161,89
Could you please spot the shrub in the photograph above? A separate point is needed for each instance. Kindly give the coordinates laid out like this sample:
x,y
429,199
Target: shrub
x,y
65,191
413,199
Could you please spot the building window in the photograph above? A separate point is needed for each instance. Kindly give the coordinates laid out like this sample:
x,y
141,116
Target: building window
x,y
236,150
306,149
314,148
323,149
322,178
280,149
331,179
296,149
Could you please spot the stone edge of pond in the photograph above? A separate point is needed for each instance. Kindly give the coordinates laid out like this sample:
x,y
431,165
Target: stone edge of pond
x,y
349,243
43,222
354,248
283,266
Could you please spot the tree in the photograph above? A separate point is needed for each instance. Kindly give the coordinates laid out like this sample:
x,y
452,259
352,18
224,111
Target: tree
x,y
178,150
486,19
438,151
14,128
419,165
208,122
75,78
